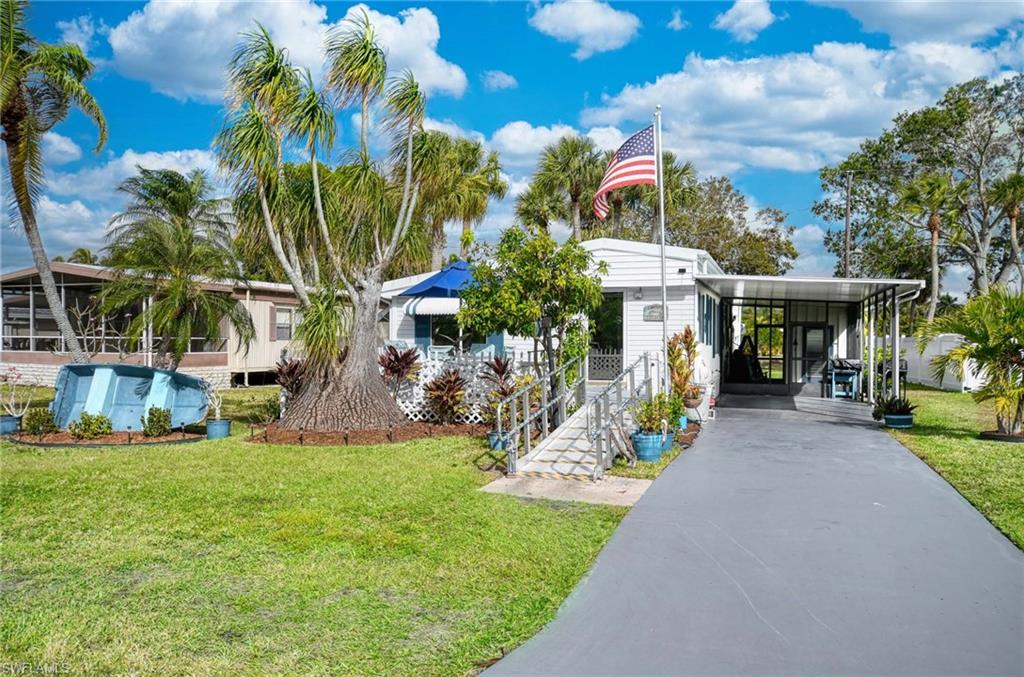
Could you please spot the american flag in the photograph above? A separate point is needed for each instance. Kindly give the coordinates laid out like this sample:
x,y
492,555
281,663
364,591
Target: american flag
x,y
633,164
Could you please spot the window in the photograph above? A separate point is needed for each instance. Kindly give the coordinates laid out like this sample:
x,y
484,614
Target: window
x,y
283,330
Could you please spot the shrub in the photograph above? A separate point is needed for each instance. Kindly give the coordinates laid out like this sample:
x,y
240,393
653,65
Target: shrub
x,y
446,396
499,373
90,426
38,421
893,406
398,366
156,422
648,415
291,375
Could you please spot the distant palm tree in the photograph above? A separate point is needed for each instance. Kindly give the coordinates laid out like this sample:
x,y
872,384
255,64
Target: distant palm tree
x,y
173,238
38,85
933,196
538,208
356,69
571,167
84,255
1008,193
478,182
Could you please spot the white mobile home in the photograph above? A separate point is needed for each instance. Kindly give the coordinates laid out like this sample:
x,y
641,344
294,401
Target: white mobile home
x,y
758,334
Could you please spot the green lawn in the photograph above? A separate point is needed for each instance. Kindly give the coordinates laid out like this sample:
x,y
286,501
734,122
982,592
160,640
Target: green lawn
x,y
227,557
989,474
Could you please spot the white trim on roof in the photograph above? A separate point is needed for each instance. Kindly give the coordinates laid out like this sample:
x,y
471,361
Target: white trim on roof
x,y
392,288
784,287
432,305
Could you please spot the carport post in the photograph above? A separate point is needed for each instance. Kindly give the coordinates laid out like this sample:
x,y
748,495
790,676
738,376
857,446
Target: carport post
x,y
896,345
871,350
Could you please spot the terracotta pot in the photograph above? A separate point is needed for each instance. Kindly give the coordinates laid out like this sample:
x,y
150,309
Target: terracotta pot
x,y
692,402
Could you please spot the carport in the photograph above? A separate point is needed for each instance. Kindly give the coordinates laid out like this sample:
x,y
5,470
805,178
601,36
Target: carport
x,y
796,336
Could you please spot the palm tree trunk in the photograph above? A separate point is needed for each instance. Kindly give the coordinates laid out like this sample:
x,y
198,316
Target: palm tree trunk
x,y
42,262
933,302
1015,246
437,244
577,232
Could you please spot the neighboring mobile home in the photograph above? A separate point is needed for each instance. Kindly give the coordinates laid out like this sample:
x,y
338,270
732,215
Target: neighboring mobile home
x,y
758,335
29,338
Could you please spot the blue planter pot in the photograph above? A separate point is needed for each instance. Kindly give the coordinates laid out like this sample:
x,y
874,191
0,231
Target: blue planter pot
x,y
683,421
901,421
667,444
648,447
218,428
9,424
497,440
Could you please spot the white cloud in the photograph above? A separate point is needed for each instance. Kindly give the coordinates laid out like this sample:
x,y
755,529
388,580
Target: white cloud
x,y
99,183
809,235
452,129
59,150
677,22
941,20
495,80
592,25
794,111
64,226
80,31
745,19
182,49
607,138
520,142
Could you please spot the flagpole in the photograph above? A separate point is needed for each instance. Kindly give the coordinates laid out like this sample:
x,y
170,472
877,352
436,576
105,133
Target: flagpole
x,y
660,174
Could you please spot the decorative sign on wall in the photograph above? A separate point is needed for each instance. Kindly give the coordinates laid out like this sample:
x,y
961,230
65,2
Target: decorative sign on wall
x,y
652,313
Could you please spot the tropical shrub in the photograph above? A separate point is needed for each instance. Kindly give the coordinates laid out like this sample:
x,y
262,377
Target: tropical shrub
x,y
38,421
398,367
892,406
682,363
499,373
649,415
156,422
992,326
90,426
446,396
290,374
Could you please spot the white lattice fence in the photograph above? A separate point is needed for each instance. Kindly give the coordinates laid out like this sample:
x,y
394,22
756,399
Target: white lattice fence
x,y
604,365
412,401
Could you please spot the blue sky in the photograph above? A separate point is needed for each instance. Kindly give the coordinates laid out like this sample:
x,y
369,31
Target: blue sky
x,y
763,92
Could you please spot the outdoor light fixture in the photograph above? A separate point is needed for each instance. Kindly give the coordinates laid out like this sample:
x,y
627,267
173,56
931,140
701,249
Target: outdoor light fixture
x,y
638,294
681,271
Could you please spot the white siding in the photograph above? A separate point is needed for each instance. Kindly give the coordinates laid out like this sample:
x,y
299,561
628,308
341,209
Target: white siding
x,y
631,270
642,336
263,353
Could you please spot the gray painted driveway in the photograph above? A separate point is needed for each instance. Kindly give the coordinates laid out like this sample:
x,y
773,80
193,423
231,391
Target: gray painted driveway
x,y
790,543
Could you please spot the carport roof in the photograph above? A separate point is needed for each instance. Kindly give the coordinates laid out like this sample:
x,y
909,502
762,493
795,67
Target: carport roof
x,y
785,288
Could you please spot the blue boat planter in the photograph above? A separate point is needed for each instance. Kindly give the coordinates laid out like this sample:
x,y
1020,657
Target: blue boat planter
x,y
648,446
497,441
124,393
9,425
218,428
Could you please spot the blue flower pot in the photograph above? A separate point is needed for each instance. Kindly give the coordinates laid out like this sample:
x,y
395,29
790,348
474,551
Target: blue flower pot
x,y
900,421
218,428
648,447
497,440
683,422
9,424
667,444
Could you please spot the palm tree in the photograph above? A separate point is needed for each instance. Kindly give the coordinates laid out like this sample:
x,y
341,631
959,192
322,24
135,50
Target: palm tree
x,y
570,167
932,196
1008,192
171,240
84,255
478,182
991,325
357,69
38,85
538,208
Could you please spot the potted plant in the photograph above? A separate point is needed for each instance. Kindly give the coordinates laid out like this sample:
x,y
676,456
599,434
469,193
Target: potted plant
x,y
897,412
683,362
499,373
216,428
677,409
14,399
653,435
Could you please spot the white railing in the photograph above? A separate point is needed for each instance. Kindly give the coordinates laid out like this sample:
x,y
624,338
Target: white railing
x,y
606,412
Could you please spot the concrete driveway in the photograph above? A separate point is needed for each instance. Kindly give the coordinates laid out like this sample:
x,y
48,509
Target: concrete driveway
x,y
793,542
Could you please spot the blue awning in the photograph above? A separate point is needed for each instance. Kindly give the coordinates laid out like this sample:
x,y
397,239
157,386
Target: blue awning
x,y
447,282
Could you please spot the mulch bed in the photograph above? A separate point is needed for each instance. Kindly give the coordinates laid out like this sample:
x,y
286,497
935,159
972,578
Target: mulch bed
x,y
273,434
64,439
687,437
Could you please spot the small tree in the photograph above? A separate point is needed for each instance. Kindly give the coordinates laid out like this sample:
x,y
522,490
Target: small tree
x,y
533,287
992,326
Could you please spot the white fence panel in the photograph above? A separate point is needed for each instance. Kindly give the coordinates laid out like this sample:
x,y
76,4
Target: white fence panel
x,y
919,364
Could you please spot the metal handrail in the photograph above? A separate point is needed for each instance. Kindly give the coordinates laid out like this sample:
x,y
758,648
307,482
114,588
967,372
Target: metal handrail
x,y
522,417
602,412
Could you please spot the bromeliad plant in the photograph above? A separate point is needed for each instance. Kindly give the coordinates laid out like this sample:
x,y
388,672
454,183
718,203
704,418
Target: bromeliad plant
x,y
992,327
498,371
892,406
399,367
446,396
